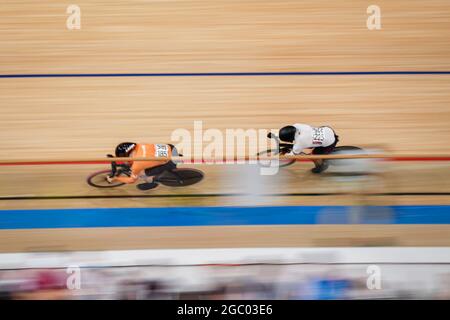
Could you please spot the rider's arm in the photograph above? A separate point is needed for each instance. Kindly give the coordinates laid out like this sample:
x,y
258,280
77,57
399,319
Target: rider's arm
x,y
136,168
131,179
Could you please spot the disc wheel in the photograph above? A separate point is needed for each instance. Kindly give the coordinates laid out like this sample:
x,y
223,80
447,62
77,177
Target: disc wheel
x,y
180,177
344,150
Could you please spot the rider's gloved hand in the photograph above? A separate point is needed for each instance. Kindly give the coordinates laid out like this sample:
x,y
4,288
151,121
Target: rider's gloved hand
x,y
127,170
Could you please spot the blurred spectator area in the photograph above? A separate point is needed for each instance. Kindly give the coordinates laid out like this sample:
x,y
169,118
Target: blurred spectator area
x,y
340,273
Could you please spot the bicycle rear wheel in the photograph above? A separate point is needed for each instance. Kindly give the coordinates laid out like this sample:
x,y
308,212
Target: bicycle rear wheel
x,y
341,149
98,180
180,177
345,150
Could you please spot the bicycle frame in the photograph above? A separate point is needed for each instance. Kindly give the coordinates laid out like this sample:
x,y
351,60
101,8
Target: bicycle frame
x,y
115,168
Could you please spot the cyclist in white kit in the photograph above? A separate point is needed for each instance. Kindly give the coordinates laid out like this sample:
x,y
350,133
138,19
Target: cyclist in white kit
x,y
322,140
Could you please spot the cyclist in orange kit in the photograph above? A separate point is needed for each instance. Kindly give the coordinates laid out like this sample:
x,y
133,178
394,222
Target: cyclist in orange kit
x,y
150,168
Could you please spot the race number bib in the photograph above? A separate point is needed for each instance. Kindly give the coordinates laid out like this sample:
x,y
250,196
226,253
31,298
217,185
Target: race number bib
x,y
161,150
318,135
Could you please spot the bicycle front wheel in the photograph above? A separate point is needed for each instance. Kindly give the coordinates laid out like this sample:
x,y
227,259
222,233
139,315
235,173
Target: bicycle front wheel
x,y
273,163
98,180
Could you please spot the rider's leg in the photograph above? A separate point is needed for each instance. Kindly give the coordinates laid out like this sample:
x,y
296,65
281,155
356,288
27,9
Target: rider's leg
x,y
155,171
170,167
151,173
320,164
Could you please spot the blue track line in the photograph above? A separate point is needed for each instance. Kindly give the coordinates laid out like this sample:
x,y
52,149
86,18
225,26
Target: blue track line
x,y
222,74
220,216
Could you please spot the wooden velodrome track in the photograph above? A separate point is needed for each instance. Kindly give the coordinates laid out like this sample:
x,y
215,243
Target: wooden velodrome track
x,y
69,117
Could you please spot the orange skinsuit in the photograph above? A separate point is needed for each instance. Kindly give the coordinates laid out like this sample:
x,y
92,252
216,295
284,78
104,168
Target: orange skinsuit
x,y
146,150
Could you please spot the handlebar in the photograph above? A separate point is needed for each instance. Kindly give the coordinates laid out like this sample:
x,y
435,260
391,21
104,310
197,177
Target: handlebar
x,y
115,166
271,135
284,147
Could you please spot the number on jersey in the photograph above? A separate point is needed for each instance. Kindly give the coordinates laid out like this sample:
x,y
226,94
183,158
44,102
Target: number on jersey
x,y
161,150
318,136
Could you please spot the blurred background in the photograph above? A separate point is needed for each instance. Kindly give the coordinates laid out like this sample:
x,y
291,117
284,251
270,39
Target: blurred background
x,y
139,70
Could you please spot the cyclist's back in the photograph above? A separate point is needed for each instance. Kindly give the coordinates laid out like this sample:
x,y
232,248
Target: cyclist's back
x,y
312,137
150,150
151,168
